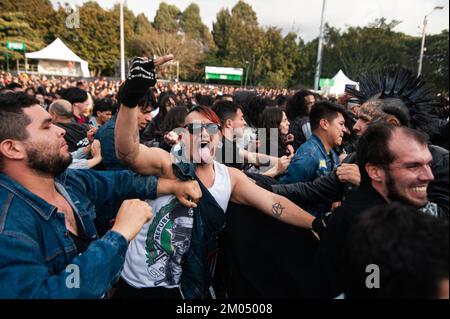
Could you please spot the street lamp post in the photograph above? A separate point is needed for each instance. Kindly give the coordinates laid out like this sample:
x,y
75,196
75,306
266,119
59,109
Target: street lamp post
x,y
246,73
422,47
319,51
122,44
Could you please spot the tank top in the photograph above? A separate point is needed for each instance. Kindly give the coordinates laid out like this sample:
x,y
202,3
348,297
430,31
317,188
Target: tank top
x,y
154,257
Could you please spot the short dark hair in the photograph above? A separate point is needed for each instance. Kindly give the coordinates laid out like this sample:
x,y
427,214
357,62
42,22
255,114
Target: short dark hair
x,y
410,248
325,110
13,85
255,107
103,105
373,145
226,110
74,95
148,100
205,100
14,120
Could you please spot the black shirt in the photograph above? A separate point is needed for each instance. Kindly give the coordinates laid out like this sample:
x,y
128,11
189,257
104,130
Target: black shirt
x,y
81,241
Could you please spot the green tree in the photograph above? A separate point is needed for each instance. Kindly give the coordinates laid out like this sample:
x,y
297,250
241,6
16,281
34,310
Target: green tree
x,y
221,32
142,26
167,18
15,28
435,62
246,41
97,38
358,50
192,25
37,13
186,51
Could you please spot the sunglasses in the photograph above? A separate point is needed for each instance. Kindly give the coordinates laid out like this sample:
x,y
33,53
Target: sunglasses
x,y
196,128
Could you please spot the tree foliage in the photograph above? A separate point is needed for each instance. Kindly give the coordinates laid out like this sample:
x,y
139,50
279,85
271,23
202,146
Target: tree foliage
x,y
236,40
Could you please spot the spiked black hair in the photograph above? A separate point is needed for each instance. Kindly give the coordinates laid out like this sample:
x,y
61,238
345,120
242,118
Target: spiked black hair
x,y
399,93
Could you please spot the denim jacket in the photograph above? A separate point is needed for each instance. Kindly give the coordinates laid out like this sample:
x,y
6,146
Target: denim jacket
x,y
105,135
209,221
310,161
38,258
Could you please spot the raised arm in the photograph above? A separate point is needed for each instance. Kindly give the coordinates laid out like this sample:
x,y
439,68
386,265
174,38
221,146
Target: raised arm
x,y
245,192
144,160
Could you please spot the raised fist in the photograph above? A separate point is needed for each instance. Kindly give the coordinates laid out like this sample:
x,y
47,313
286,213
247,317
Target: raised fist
x,y
141,77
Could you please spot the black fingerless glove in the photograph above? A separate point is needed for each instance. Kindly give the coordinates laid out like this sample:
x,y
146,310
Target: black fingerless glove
x,y
140,78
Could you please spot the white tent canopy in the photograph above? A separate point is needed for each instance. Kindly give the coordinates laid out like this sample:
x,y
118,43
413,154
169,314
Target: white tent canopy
x,y
340,81
58,52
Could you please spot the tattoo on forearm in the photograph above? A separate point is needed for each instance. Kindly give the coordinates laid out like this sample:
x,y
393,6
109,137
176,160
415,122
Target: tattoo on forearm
x,y
277,209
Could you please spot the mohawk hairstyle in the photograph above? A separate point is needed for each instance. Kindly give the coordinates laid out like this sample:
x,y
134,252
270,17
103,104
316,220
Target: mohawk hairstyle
x,y
401,84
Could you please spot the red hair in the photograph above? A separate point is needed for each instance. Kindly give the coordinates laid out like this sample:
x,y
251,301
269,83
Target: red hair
x,y
206,112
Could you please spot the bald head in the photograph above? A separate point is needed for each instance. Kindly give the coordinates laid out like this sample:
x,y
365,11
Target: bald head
x,y
61,110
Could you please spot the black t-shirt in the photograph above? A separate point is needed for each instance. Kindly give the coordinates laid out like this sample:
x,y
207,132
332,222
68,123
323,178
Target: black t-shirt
x,y
228,155
81,241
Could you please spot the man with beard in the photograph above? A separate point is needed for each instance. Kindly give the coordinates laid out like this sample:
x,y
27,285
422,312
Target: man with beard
x,y
395,167
393,96
49,245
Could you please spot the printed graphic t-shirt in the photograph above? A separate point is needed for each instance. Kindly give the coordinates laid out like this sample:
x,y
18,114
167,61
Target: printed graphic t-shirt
x,y
154,257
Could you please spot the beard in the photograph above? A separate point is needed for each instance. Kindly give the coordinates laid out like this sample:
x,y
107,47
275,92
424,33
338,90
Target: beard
x,y
393,193
44,162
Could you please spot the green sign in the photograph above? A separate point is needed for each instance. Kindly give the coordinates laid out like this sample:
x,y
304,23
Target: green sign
x,y
220,73
326,83
16,46
228,77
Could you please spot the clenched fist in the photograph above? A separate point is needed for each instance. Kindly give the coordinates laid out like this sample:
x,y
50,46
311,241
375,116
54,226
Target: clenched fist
x,y
132,215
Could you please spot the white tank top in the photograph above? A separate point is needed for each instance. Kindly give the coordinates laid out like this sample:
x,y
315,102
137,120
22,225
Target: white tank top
x,y
154,257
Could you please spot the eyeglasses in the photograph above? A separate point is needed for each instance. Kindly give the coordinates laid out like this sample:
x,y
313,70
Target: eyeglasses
x,y
196,128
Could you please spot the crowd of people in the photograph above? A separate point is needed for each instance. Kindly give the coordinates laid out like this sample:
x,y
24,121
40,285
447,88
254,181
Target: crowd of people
x,y
167,190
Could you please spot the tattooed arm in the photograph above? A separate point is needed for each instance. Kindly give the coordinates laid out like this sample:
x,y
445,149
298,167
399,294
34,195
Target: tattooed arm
x,y
140,158
246,192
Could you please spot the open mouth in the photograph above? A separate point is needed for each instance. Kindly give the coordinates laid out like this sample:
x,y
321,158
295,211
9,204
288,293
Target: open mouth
x,y
203,144
204,151
419,189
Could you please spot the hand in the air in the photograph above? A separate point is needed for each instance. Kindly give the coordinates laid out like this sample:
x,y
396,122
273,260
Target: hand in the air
x,y
141,77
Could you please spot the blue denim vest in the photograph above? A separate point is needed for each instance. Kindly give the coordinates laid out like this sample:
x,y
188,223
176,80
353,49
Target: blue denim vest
x,y
36,248
209,221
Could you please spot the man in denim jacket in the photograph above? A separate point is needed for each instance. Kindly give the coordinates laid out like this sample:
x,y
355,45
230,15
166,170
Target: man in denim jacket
x,y
49,247
316,156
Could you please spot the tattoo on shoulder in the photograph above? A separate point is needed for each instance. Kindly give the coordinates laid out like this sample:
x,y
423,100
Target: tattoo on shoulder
x,y
277,209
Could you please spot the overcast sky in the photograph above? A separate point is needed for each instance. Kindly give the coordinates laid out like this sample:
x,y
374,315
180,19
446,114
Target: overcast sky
x,y
303,16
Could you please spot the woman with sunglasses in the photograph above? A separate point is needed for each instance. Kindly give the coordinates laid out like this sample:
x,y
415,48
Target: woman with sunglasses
x,y
169,257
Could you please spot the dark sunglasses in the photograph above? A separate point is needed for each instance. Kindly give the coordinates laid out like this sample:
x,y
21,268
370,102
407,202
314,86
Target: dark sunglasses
x,y
211,128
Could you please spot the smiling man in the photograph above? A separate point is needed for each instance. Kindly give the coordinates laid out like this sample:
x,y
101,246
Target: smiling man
x,y
395,167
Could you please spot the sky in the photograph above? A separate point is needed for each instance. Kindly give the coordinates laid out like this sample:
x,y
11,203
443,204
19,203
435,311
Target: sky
x,y
303,16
